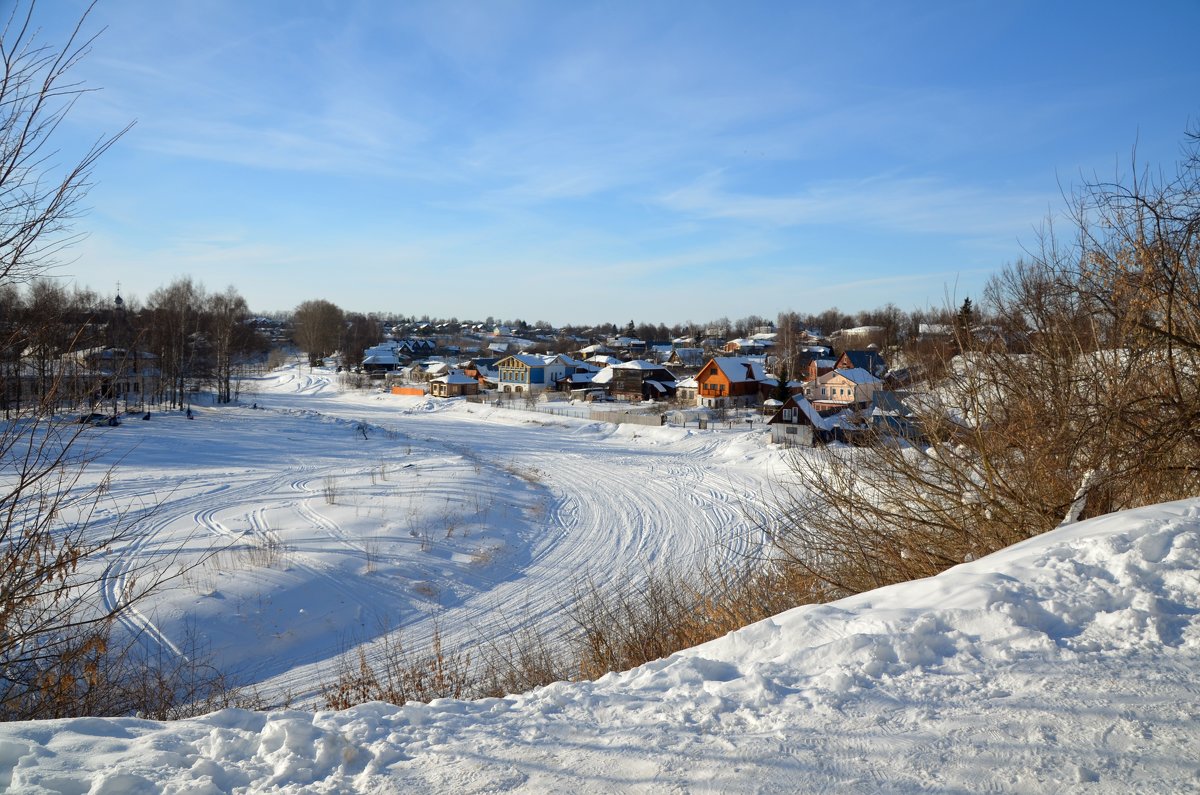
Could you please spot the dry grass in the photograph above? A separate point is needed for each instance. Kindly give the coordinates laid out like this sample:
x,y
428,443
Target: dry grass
x,y
398,675
671,611
610,631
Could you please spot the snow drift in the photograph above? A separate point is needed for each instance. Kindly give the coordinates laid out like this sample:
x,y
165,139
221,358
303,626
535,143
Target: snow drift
x,y
1065,663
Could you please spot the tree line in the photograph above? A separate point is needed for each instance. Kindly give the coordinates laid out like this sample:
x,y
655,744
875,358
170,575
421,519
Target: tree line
x,y
190,338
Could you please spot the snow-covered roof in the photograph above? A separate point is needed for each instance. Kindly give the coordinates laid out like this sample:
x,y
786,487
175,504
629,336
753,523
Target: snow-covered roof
x,y
886,404
740,368
533,359
455,378
638,364
570,361
800,403
856,375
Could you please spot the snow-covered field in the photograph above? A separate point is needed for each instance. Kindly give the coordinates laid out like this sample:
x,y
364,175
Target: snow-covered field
x,y
339,515
1070,662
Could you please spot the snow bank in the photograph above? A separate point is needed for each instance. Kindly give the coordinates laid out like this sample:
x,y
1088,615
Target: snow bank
x,y
1066,663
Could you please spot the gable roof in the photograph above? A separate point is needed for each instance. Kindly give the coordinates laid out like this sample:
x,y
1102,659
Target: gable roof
x,y
870,361
638,364
801,404
690,356
455,378
856,375
739,369
529,359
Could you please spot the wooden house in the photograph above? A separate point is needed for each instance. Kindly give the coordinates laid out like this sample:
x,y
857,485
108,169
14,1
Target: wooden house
x,y
729,381
798,423
687,358
641,380
453,384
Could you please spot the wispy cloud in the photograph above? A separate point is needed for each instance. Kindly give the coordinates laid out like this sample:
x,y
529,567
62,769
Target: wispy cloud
x,y
903,204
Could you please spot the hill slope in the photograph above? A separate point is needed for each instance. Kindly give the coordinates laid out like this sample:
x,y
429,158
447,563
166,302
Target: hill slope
x,y
1066,663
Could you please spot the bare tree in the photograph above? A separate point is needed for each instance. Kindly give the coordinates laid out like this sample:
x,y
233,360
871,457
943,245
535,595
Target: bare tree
x,y
360,333
1085,403
38,200
174,320
319,326
59,654
230,337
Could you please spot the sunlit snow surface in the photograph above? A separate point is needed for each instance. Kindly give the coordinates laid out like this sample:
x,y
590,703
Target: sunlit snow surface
x,y
1067,663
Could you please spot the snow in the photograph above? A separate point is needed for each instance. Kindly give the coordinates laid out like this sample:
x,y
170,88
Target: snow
x,y
335,517
1066,663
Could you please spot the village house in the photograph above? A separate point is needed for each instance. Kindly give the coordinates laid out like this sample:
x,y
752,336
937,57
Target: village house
x,y
687,391
842,389
579,383
868,360
641,380
453,384
527,372
798,423
630,346
729,381
888,415
686,358
382,358
482,370
745,347
859,335
819,367
594,350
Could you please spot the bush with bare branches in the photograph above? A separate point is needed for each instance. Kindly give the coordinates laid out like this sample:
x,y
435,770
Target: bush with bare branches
x,y
1081,398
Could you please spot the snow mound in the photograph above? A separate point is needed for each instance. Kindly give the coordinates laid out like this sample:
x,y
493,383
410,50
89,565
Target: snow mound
x,y
1065,663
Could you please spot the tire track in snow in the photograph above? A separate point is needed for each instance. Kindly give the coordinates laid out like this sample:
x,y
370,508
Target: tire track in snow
x,y
612,506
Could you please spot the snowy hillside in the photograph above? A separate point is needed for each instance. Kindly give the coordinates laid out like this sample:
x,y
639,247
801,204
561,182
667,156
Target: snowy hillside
x,y
1065,664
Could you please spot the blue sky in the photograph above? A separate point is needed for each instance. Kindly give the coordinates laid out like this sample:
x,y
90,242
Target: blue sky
x,y
591,162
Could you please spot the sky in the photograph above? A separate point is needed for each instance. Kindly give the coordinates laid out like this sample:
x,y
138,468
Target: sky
x,y
604,162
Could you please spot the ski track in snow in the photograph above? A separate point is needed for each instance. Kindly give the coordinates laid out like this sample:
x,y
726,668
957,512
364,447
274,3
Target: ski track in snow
x,y
609,530
599,507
